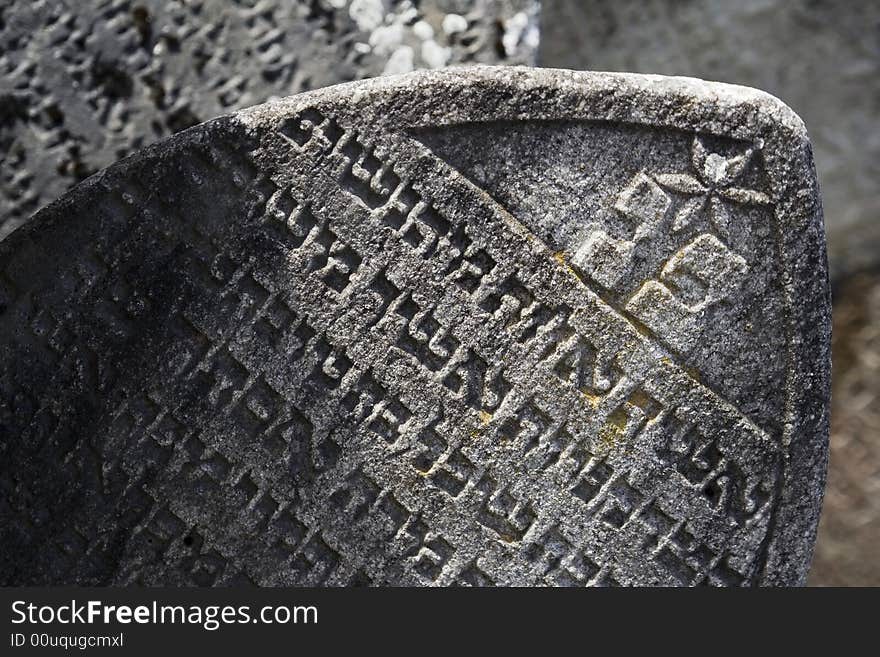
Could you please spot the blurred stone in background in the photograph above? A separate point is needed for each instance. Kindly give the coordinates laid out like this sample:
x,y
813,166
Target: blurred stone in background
x,y
84,83
849,536
823,59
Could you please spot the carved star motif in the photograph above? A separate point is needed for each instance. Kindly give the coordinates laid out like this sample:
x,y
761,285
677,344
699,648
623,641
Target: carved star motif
x,y
712,186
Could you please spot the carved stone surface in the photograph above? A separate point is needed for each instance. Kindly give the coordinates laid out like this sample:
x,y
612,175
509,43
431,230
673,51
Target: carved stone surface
x,y
822,57
84,83
496,326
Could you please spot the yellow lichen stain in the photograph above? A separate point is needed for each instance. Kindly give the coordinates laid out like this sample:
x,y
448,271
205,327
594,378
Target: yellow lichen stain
x,y
618,419
508,538
641,399
608,438
593,400
613,432
694,372
561,258
485,417
642,330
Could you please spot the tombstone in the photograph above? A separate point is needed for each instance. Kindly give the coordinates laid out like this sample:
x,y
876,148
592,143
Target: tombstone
x,y
85,83
471,327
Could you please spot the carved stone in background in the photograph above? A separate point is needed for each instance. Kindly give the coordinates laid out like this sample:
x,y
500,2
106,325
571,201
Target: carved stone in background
x,y
84,83
497,326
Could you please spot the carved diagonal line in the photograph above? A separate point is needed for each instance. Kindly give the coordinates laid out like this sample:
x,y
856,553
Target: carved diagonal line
x,y
659,347
373,183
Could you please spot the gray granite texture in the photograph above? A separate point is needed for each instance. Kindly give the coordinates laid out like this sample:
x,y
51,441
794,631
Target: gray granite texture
x,y
84,83
821,57
484,326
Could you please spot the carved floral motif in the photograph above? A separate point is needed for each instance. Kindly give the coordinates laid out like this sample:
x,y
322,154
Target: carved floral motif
x,y
712,186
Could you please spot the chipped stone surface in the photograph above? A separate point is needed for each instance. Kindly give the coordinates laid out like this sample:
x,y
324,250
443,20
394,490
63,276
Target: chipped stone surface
x,y
495,326
84,83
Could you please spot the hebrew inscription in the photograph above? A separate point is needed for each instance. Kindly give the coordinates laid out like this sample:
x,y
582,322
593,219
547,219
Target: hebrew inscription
x,y
361,365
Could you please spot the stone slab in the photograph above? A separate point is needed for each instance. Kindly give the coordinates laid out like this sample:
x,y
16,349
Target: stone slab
x,y
487,326
84,83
